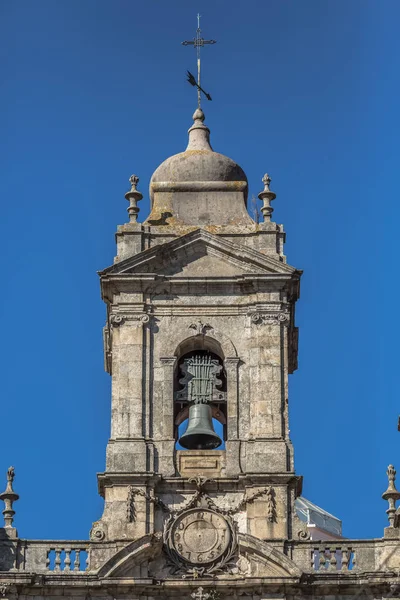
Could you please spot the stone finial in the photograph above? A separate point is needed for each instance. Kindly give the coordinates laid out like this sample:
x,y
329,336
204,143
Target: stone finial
x,y
267,196
9,497
133,197
198,115
134,180
199,134
391,495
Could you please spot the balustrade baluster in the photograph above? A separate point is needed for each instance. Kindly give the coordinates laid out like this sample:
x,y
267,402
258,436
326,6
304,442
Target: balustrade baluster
x,y
77,561
314,559
345,559
48,559
87,561
67,560
57,562
322,559
333,559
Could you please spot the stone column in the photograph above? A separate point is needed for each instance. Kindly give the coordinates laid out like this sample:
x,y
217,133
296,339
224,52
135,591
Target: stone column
x,y
268,393
232,397
126,448
167,385
165,413
231,365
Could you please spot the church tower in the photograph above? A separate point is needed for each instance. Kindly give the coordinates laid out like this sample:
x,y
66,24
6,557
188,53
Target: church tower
x,y
200,335
201,499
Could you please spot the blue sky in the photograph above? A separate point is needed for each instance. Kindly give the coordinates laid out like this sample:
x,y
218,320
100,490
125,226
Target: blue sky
x,y
94,91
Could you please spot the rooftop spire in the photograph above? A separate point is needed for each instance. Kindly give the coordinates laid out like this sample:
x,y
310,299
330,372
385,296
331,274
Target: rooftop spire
x,y
198,42
199,134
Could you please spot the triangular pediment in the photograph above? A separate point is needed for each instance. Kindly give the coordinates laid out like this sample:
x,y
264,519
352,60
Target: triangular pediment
x,y
200,254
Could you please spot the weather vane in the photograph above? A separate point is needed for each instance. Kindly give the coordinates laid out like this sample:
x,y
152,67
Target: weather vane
x,y
198,42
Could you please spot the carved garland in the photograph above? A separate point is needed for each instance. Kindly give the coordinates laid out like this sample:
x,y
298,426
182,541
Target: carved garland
x,y
200,499
200,493
130,509
271,504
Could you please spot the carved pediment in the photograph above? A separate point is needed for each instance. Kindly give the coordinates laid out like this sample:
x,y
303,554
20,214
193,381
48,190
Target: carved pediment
x,y
200,254
129,561
145,558
258,559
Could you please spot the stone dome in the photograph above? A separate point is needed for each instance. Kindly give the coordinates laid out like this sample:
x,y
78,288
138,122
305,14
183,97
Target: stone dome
x,y
199,163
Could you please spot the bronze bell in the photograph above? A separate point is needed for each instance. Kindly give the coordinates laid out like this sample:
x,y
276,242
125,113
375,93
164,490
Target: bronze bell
x,y
200,432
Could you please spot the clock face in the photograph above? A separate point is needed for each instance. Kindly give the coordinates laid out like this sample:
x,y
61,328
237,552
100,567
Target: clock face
x,y
200,536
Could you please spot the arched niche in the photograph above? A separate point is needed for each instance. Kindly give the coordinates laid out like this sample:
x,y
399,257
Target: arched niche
x,y
213,341
197,349
199,342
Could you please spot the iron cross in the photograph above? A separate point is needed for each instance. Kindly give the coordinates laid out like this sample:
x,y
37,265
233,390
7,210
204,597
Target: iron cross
x,y
198,42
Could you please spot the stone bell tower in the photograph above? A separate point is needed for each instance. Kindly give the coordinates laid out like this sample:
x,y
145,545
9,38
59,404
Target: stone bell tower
x,y
199,487
200,329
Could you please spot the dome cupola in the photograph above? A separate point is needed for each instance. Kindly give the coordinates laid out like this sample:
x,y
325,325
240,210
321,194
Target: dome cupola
x,y
199,186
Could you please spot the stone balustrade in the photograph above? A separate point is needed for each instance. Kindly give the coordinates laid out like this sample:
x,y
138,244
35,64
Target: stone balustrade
x,y
72,557
68,558
44,556
333,558
346,556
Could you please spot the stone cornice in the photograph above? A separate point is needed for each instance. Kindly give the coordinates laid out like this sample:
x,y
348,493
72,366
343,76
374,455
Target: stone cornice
x,y
185,243
198,186
110,479
240,284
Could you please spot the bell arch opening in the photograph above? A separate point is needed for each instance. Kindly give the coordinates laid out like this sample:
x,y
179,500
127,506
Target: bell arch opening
x,y
200,342
200,387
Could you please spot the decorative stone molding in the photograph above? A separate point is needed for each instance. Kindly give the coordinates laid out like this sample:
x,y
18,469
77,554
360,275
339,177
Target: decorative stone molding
x,y
9,497
231,361
107,347
391,495
97,533
168,360
133,197
118,319
190,554
201,328
293,347
8,590
394,590
267,196
200,493
130,505
200,594
152,499
271,504
303,534
269,318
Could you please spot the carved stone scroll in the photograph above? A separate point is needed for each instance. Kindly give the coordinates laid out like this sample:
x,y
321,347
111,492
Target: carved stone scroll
x,y
118,319
270,318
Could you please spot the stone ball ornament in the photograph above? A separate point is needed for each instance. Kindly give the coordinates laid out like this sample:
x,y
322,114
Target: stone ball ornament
x,y
200,541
